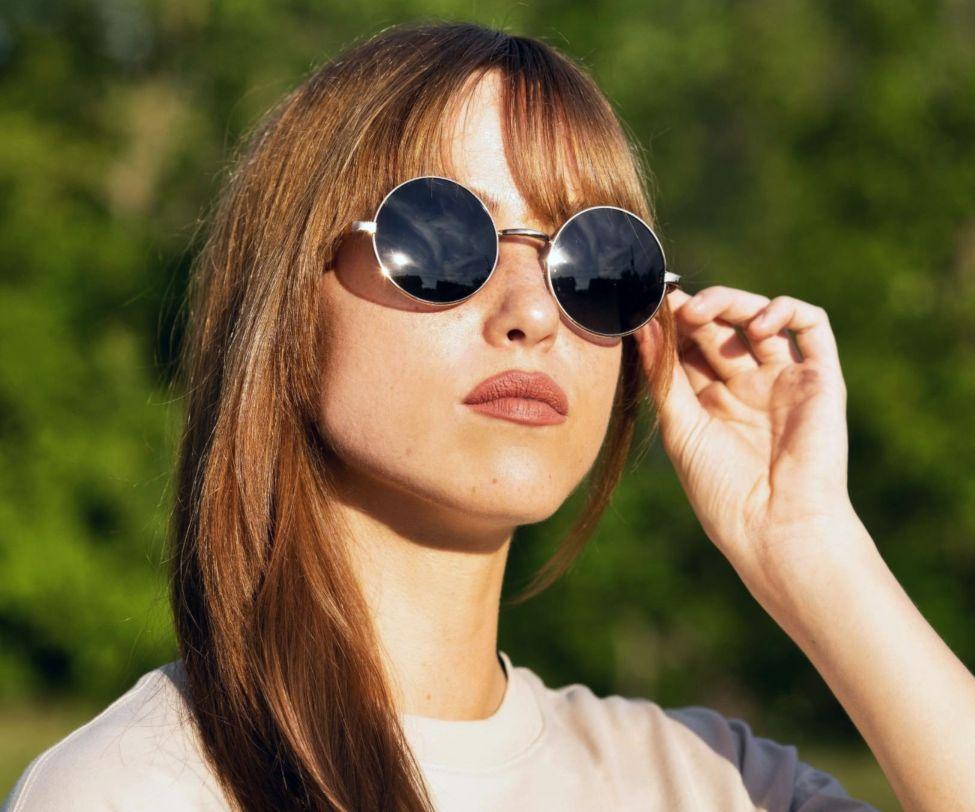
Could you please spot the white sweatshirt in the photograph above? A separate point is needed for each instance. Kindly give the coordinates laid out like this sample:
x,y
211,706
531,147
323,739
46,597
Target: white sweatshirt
x,y
542,749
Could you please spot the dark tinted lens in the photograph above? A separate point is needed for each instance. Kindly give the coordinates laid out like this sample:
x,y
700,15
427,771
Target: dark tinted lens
x,y
435,239
607,270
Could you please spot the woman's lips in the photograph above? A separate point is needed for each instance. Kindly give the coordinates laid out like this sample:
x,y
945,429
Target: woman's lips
x,y
520,410
530,398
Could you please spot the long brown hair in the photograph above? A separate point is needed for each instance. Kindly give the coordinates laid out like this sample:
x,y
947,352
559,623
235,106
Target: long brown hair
x,y
288,696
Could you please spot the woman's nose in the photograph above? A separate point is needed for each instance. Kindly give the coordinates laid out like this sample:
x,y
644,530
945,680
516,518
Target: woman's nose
x,y
520,306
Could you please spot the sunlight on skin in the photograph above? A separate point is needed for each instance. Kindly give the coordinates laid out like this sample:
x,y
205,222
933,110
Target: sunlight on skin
x,y
754,423
432,490
756,429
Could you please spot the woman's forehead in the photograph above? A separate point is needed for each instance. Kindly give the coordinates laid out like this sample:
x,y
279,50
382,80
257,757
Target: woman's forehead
x,y
478,158
470,149
477,152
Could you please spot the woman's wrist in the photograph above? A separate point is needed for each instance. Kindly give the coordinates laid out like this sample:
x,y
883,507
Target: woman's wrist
x,y
804,564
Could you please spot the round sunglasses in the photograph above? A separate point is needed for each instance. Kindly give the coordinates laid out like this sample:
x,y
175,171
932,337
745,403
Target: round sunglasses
x,y
437,242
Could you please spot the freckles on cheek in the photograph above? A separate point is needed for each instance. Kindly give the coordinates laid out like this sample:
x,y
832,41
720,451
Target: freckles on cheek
x,y
595,408
391,410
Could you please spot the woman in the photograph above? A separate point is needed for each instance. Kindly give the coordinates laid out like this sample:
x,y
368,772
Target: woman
x,y
355,464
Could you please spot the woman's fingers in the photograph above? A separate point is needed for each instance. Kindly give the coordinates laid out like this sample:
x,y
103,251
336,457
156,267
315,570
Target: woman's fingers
x,y
680,410
808,322
697,371
775,348
708,318
700,375
712,349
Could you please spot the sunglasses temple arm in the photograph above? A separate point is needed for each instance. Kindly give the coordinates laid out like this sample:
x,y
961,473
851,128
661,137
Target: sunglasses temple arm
x,y
672,279
369,226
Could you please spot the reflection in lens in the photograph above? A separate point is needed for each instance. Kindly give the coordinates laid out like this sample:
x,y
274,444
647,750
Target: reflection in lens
x,y
435,239
607,270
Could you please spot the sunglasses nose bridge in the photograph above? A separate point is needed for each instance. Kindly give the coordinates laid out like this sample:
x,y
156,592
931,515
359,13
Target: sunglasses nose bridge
x,y
530,232
543,253
524,232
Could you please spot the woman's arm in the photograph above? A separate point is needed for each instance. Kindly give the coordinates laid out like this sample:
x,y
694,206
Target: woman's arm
x,y
755,425
910,697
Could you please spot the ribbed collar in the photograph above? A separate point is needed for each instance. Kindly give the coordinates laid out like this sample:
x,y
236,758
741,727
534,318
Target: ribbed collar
x,y
479,744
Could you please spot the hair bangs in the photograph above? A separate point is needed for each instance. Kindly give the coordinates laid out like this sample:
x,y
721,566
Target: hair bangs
x,y
564,144
414,136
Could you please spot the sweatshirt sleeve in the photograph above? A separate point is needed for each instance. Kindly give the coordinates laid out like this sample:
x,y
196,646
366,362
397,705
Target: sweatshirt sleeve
x,y
772,773
56,782
57,785
106,766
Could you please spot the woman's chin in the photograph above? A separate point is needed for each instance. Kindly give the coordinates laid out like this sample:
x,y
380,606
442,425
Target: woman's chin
x,y
512,507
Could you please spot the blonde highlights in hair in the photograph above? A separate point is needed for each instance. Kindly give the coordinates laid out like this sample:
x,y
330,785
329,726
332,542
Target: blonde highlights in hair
x,y
287,693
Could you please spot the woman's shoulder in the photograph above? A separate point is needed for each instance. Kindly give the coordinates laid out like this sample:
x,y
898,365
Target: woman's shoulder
x,y
139,752
690,743
576,705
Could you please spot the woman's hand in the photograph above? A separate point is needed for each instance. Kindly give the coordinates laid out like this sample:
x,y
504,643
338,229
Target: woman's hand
x,y
757,431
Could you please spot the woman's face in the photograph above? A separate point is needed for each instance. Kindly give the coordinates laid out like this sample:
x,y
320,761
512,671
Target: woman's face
x,y
397,371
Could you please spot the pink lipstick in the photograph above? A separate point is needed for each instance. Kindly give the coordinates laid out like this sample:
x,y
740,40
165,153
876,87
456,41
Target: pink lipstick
x,y
529,398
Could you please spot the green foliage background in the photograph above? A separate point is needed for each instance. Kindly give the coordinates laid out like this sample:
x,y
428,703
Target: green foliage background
x,y
817,149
